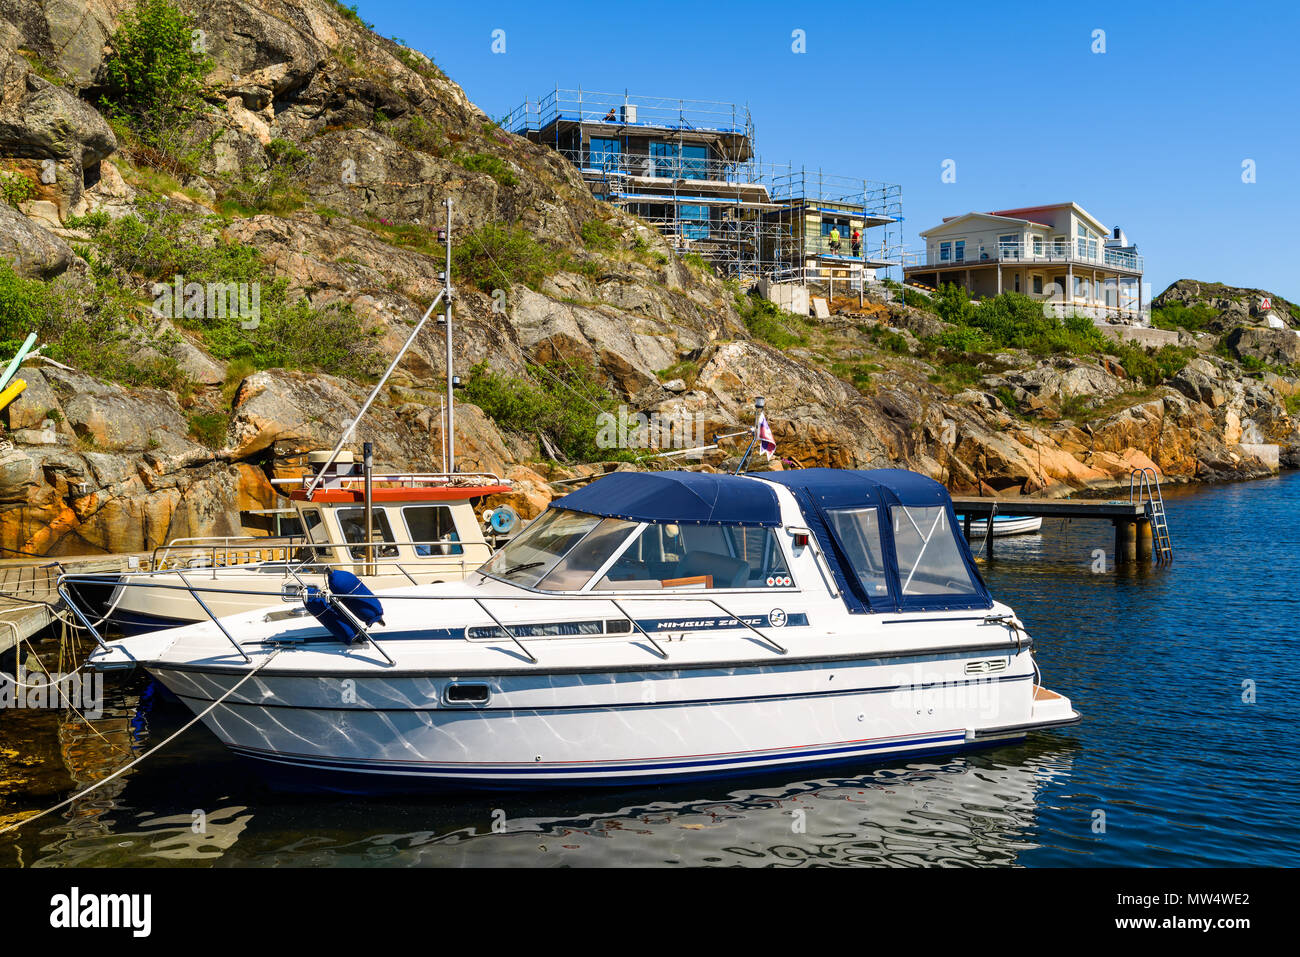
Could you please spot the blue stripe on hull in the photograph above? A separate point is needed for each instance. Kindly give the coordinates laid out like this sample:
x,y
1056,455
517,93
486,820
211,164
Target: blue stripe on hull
x,y
352,777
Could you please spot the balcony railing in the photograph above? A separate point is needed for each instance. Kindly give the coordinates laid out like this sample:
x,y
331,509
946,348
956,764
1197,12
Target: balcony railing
x,y
1086,252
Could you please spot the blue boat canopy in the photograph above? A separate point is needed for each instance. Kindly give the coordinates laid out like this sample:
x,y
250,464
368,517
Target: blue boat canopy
x,y
688,498
890,537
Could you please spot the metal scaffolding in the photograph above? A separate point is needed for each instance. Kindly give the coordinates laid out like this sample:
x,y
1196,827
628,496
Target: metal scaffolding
x,y
689,169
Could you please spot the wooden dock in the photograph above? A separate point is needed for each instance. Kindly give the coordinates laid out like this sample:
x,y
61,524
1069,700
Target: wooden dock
x,y
29,596
1132,519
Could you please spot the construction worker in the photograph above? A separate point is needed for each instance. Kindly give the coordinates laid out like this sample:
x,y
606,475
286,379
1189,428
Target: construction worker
x,y
835,240
856,240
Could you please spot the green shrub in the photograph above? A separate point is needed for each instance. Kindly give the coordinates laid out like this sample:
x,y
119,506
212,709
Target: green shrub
x,y
157,246
16,188
91,329
210,428
154,78
697,262
561,401
1176,315
417,133
598,234
767,321
494,257
277,189
962,339
494,166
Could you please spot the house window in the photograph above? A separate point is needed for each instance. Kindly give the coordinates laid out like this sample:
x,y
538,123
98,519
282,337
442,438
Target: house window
x,y
1017,282
945,252
603,152
676,160
694,221
1038,245
663,159
695,162
960,250
1038,285
1086,242
1009,247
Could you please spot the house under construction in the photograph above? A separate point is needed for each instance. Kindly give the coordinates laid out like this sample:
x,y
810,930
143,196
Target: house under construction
x,y
688,168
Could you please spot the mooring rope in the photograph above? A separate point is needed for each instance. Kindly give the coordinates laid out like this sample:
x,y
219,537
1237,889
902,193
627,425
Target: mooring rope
x,y
155,749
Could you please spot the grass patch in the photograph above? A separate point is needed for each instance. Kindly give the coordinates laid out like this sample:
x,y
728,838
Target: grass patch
x,y
210,428
598,235
494,166
697,262
688,370
277,189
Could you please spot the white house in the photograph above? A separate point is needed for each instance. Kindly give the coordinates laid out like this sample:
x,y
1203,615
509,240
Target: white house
x,y
1059,252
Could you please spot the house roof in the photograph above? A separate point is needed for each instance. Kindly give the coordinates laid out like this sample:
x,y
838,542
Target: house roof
x,y
1023,215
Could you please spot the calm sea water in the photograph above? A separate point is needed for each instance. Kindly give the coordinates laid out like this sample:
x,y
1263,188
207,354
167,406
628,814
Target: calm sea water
x,y
1175,757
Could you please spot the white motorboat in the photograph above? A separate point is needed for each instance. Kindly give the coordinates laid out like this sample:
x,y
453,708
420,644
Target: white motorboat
x,y
648,627
1004,525
422,527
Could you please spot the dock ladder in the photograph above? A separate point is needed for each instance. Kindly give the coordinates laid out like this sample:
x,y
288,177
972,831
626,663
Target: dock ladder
x,y
1144,487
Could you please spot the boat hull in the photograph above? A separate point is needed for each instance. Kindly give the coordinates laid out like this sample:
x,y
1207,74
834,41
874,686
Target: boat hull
x,y
615,728
1005,526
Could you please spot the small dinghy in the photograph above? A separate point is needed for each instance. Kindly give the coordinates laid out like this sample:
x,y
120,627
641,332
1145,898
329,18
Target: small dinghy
x,y
650,627
1004,525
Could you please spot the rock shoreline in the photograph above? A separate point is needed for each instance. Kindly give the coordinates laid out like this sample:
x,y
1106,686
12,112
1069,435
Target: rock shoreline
x,y
89,465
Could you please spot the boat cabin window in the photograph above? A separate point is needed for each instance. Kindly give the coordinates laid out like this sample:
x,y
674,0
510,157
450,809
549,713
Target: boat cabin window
x,y
353,523
929,558
671,556
313,529
858,530
432,530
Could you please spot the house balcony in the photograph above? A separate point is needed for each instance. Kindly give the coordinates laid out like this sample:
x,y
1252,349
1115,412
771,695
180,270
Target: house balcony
x,y
1088,254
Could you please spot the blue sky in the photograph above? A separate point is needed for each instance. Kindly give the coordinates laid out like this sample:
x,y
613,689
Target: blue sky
x,y
1150,135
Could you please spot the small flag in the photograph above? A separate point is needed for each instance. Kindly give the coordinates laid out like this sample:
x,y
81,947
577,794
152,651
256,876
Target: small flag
x,y
766,441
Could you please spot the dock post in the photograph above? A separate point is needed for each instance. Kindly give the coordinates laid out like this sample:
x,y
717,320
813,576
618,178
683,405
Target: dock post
x,y
1125,542
1144,541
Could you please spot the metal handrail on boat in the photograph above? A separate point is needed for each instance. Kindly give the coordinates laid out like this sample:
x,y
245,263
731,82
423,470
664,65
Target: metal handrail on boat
x,y
219,559
194,589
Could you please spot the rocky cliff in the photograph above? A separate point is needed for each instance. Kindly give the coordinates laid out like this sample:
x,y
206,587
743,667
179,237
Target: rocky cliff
x,y
315,168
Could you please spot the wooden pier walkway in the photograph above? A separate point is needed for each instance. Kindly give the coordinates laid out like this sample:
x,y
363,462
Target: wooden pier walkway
x,y
1134,540
29,596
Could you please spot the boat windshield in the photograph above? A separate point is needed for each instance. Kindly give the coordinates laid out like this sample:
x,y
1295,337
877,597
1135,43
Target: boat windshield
x,y
560,551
